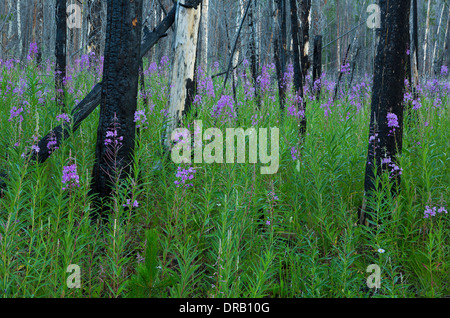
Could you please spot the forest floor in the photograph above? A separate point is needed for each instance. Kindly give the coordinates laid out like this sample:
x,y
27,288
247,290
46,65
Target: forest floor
x,y
221,229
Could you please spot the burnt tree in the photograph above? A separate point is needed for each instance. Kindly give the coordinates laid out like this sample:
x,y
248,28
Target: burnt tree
x,y
298,77
279,49
118,96
95,26
60,52
386,120
317,64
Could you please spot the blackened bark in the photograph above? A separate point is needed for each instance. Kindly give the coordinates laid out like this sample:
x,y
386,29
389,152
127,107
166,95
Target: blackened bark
x,y
119,96
95,23
415,45
60,53
280,50
92,99
253,57
388,89
317,63
305,8
298,78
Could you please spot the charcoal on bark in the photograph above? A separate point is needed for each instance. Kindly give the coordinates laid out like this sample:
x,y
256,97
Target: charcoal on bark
x,y
385,144
118,96
317,63
298,78
60,52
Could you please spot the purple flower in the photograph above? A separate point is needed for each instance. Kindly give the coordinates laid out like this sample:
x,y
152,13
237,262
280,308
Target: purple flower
x,y
63,117
346,68
225,106
392,120
442,209
141,119
16,112
70,177
51,145
444,70
135,203
184,175
32,51
264,80
294,152
116,140
416,104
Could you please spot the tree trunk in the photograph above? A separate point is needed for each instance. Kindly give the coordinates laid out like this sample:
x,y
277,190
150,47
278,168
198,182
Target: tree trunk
x,y
305,17
385,141
118,97
60,53
427,38
253,53
185,44
434,62
446,53
415,45
279,48
204,33
298,77
317,64
95,26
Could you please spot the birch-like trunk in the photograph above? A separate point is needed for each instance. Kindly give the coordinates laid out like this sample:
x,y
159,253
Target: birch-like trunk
x,y
434,63
187,23
204,32
427,35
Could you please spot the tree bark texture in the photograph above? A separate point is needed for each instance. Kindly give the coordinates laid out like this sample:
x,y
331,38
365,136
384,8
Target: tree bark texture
x,y
185,46
118,94
60,52
385,141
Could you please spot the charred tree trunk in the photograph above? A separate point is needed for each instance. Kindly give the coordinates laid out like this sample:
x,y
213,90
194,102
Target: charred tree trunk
x,y
415,46
95,26
60,53
317,64
305,8
253,54
298,78
118,97
279,49
386,132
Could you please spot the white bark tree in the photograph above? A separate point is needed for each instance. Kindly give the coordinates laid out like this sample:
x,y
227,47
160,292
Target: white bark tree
x,y
187,22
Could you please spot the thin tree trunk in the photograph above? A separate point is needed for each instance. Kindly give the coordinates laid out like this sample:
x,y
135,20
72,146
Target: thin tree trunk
x,y
425,43
204,33
385,141
415,45
436,43
298,78
317,64
60,53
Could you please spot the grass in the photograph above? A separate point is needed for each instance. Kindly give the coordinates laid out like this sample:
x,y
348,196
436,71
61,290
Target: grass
x,y
227,235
